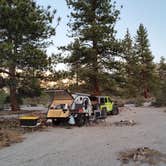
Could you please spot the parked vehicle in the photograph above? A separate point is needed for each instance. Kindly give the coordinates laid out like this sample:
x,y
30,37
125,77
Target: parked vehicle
x,y
105,102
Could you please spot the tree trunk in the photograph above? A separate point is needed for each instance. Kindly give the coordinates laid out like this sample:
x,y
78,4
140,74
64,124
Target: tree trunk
x,y
144,83
146,92
13,99
96,89
12,87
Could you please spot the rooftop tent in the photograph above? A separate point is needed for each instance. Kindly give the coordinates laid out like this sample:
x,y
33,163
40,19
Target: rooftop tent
x,y
60,96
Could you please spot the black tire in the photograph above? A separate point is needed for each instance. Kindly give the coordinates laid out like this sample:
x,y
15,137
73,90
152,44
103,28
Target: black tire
x,y
115,110
80,120
56,122
104,112
109,113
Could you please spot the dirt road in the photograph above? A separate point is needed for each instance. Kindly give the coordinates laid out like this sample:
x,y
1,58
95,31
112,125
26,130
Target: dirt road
x,y
90,146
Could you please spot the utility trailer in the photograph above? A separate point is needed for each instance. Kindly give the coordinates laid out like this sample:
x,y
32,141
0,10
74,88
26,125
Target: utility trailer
x,y
59,110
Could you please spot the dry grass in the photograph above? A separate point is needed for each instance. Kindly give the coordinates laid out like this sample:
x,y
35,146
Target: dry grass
x,y
18,112
142,155
11,132
8,137
9,123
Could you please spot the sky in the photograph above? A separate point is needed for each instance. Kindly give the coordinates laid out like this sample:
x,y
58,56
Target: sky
x,y
151,13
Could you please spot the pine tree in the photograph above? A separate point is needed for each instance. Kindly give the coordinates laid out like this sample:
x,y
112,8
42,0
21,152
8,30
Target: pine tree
x,y
145,61
130,66
161,84
92,26
162,69
24,26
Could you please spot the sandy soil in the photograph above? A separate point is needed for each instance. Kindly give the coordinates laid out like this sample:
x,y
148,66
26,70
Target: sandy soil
x,y
90,145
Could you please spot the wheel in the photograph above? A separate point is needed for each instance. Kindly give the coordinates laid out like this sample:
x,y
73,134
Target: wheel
x,y
104,113
80,120
109,112
56,121
115,110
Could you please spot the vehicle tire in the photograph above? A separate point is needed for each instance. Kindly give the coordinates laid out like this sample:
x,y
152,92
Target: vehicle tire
x,y
80,121
104,113
115,110
56,122
109,113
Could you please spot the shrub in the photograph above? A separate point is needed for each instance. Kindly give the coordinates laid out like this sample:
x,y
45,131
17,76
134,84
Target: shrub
x,y
139,101
161,95
3,96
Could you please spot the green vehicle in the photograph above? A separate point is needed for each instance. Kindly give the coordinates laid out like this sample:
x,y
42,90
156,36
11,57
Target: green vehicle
x,y
105,102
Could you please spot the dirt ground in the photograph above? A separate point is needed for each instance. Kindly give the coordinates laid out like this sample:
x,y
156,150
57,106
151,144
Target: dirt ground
x,y
97,145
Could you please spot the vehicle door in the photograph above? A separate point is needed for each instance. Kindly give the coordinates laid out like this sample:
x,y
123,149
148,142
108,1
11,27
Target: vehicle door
x,y
109,103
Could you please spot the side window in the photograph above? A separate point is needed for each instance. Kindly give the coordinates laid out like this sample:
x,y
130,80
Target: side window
x,y
102,101
109,99
106,100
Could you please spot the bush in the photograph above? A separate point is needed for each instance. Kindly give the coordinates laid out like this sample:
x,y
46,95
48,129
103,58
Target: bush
x,y
161,96
139,102
44,99
3,96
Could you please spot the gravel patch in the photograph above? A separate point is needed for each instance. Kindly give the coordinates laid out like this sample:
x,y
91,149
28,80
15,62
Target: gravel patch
x,y
90,146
